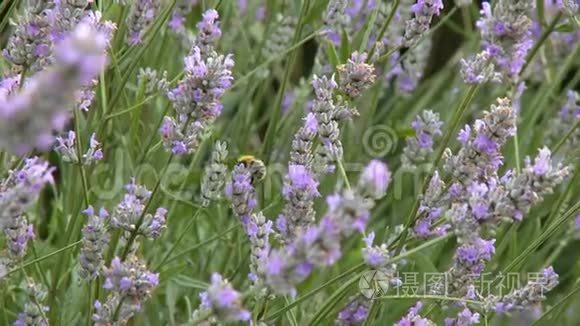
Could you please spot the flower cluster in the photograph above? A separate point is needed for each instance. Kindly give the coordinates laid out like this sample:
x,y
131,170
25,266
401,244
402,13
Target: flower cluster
x,y
300,190
220,303
94,242
406,70
209,31
181,10
413,317
29,117
432,205
17,192
526,297
130,215
506,39
320,245
480,154
241,192
258,230
427,126
29,44
215,172
142,15
424,11
130,284
354,313
465,317
196,99
152,81
34,312
568,116
356,75
67,149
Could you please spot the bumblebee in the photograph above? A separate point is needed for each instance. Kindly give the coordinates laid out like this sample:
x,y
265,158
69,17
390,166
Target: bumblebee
x,y
256,167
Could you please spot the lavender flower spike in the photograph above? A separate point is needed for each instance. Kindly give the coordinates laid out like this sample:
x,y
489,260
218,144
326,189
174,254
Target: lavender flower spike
x,y
130,284
130,211
196,100
427,126
528,296
300,190
356,75
34,311
214,174
506,34
28,118
220,303
241,192
424,11
29,44
17,192
68,150
95,239
354,313
375,179
140,19
413,317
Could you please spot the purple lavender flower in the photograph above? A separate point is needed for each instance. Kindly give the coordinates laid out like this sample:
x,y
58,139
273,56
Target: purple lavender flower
x,y
356,75
317,246
480,155
129,284
196,100
182,9
259,230
221,302
532,294
427,126
375,256
301,153
142,15
95,240
432,205
424,11
523,190
241,193
464,318
300,190
34,310
479,69
413,318
569,7
208,30
130,215
28,118
408,72
29,44
375,179
568,116
68,150
506,35
354,313
17,193
215,174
